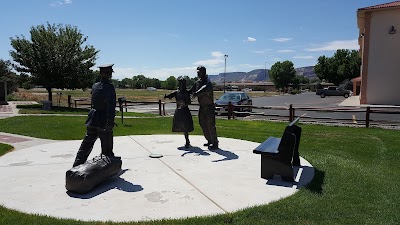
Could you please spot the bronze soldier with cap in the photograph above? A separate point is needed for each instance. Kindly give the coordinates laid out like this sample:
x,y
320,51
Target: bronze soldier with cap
x,y
100,121
203,90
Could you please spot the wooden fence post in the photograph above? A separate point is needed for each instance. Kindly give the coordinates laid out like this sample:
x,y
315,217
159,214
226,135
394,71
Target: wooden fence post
x,y
69,101
291,113
230,110
163,108
121,109
159,107
367,116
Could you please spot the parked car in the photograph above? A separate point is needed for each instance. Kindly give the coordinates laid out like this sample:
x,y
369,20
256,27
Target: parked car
x,y
247,90
237,99
151,89
333,91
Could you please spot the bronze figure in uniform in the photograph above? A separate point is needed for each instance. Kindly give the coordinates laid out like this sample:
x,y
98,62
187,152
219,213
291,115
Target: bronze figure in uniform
x,y
100,121
203,90
182,121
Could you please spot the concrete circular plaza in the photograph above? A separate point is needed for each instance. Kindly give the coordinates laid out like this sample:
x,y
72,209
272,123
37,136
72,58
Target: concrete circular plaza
x,y
183,183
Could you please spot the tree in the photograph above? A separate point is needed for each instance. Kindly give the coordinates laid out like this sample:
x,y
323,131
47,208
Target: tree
x,y
7,75
171,83
190,81
282,74
55,57
302,79
138,81
126,82
315,80
5,67
344,65
156,83
115,82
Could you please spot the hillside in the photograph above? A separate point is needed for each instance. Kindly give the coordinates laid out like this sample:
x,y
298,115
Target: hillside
x,y
258,75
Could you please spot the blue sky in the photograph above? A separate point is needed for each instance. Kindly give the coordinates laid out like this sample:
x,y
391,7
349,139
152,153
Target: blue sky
x,y
160,38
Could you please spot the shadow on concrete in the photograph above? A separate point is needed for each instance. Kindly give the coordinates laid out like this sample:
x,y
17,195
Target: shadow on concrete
x,y
227,154
307,174
115,182
193,149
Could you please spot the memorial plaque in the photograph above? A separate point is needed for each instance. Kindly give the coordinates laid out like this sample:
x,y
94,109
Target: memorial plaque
x,y
3,93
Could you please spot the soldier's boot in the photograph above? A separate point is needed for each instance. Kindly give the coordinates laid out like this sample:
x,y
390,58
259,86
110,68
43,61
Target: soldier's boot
x,y
208,143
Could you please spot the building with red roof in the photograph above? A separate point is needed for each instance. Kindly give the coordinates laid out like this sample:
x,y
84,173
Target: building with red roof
x,y
379,40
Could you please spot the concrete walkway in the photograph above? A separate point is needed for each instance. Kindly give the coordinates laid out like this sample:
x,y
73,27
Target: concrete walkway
x,y
11,109
355,102
183,183
21,142
351,101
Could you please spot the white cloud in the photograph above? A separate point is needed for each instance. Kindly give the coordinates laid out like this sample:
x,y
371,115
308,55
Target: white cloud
x,y
161,74
173,35
251,39
214,65
217,54
282,39
258,52
250,66
60,3
261,51
285,51
217,58
56,4
303,57
335,45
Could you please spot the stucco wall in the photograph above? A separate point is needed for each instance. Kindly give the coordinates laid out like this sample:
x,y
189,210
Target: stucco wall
x,y
384,58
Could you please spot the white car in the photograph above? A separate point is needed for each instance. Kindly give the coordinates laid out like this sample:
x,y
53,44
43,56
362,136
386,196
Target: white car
x,y
151,89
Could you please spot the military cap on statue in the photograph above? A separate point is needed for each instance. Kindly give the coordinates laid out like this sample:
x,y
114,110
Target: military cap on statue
x,y
106,67
202,69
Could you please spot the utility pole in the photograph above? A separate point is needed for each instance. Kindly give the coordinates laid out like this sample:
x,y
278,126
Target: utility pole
x,y
225,56
265,82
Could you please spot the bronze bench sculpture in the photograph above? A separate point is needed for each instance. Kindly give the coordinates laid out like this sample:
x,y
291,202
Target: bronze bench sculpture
x,y
279,155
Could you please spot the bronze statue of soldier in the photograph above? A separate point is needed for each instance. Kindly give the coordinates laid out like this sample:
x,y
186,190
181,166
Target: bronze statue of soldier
x,y
203,90
100,121
182,121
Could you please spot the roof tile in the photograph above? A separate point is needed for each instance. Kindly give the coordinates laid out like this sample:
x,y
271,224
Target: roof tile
x,y
383,6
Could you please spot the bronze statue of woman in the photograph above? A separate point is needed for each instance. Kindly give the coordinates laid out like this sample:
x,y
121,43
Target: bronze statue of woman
x,y
182,121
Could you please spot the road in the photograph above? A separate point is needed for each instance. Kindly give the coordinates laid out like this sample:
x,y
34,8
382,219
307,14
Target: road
x,y
311,100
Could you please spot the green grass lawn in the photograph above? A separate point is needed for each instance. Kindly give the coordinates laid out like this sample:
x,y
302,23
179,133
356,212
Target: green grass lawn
x,y
79,111
356,181
37,109
4,148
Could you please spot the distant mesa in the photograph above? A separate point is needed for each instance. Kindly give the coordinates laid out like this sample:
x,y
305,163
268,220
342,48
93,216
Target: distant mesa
x,y
257,75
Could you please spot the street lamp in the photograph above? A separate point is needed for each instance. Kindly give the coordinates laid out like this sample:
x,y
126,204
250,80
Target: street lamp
x,y
225,56
265,82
